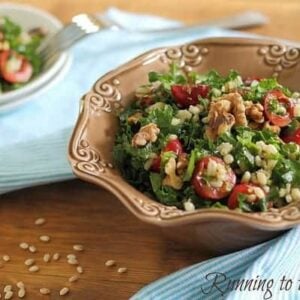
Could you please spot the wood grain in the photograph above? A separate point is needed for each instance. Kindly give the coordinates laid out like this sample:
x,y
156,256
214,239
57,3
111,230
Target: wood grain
x,y
77,212
284,15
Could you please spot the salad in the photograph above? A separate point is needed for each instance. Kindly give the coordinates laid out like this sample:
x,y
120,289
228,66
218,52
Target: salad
x,y
206,140
19,61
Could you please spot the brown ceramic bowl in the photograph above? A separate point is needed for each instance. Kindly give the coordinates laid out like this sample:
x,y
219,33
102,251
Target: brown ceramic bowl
x,y
90,150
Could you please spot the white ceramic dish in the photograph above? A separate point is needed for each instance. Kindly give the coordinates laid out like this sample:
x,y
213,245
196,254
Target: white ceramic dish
x,y
30,17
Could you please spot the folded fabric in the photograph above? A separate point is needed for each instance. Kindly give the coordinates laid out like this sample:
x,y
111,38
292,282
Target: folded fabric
x,y
35,162
28,156
268,271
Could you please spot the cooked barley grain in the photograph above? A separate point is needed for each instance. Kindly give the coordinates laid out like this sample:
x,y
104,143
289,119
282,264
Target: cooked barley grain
x,y
74,278
6,258
24,246
8,295
29,262
122,270
56,256
47,257
44,291
45,238
78,248
7,288
64,291
110,263
20,285
32,249
21,293
40,221
34,268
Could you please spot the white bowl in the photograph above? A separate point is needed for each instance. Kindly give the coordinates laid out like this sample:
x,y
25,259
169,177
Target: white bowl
x,y
29,17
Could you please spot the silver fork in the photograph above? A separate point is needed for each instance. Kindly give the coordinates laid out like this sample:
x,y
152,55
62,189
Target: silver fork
x,y
82,25
85,24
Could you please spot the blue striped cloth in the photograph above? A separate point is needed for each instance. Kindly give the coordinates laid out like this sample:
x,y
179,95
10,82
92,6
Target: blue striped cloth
x,y
33,151
268,271
34,162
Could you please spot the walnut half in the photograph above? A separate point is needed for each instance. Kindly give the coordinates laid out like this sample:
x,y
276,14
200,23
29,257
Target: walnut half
x,y
182,163
255,112
225,112
172,179
146,134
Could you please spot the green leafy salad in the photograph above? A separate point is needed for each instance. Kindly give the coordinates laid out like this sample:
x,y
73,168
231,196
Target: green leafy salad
x,y
19,60
207,140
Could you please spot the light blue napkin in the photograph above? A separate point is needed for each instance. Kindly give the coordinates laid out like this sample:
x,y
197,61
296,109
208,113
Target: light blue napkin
x,y
273,267
43,126
33,147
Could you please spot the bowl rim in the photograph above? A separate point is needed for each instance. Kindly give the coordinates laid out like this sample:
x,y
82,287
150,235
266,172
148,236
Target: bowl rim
x,y
14,98
157,213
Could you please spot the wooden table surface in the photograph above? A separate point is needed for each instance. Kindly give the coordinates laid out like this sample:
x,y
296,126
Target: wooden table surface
x,y
78,212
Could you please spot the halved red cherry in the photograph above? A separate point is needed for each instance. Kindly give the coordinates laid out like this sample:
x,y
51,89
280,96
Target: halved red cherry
x,y
186,95
173,145
205,184
14,67
279,109
292,137
242,189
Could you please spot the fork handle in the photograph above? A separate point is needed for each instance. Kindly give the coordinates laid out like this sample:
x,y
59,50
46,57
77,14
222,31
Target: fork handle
x,y
237,21
242,20
81,26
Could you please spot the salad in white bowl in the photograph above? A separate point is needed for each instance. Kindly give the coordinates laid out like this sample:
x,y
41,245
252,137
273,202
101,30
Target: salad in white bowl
x,y
19,59
23,75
